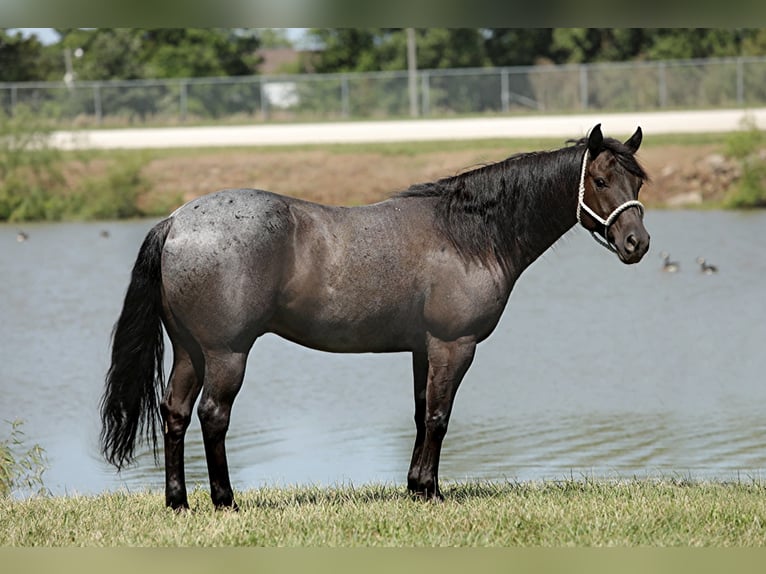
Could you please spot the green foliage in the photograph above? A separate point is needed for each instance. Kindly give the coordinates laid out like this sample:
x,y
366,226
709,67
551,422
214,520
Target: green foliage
x,y
132,53
581,45
748,146
21,467
146,53
113,53
369,49
29,167
517,46
33,187
197,52
112,196
22,59
686,43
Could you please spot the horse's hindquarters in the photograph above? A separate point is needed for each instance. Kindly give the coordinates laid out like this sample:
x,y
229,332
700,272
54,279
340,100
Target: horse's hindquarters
x,y
223,264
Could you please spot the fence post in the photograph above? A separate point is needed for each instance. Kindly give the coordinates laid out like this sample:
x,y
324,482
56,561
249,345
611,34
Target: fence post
x,y
183,103
425,93
412,72
662,88
504,91
97,103
740,82
14,98
344,103
264,102
584,86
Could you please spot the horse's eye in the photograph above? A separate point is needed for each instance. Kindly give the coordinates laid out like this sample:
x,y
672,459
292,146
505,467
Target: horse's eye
x,y
600,182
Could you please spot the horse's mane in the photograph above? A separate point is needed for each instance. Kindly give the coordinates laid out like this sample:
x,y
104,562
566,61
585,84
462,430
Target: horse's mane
x,y
500,207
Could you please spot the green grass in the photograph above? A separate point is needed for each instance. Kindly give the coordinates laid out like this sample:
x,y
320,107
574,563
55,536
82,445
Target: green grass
x,y
569,513
746,146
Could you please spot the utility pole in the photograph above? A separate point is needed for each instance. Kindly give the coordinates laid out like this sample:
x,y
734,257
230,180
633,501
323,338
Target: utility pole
x,y
412,71
70,76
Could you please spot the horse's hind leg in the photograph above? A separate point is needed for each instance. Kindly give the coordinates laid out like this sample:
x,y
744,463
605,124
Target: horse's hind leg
x,y
224,372
176,408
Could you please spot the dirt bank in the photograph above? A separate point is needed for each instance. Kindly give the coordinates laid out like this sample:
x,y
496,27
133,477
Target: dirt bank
x,y
682,175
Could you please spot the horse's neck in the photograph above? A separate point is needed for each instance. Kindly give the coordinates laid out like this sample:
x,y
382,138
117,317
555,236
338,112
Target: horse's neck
x,y
551,213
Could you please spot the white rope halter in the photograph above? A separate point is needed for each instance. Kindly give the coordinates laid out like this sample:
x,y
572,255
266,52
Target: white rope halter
x,y
612,216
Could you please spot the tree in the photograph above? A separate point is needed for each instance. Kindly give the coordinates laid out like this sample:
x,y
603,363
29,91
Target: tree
x,y
198,52
375,49
131,53
272,38
21,59
689,43
584,45
104,53
517,46
346,49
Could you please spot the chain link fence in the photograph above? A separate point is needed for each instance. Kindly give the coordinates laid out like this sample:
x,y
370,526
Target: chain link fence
x,y
632,86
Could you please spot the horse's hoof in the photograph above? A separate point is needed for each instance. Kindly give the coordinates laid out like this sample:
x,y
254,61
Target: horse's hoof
x,y
179,508
426,495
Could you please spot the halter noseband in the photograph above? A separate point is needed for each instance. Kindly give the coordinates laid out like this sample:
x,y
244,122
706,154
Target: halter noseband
x,y
612,216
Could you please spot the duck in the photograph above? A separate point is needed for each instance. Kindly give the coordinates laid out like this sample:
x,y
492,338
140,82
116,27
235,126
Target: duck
x,y
104,233
22,236
667,265
706,267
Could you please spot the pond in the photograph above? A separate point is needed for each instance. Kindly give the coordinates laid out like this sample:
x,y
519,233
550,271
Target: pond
x,y
596,370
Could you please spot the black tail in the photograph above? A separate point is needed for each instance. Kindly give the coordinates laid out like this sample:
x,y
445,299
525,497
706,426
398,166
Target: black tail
x,y
135,380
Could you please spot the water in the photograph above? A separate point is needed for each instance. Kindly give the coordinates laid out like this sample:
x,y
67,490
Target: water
x,y
597,369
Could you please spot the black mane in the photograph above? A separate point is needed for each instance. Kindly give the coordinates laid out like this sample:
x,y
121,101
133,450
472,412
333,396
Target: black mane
x,y
502,207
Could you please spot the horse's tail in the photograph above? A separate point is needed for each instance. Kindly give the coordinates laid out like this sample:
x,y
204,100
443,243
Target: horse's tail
x,y
135,379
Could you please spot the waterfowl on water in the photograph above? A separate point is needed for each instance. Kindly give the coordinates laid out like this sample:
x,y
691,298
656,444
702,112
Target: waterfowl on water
x,y
706,267
667,265
22,236
104,233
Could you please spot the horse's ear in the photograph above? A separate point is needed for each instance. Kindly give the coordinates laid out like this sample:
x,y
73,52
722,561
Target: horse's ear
x,y
595,139
635,140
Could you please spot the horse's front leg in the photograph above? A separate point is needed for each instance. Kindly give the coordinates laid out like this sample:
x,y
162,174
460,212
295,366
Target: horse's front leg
x,y
448,362
420,376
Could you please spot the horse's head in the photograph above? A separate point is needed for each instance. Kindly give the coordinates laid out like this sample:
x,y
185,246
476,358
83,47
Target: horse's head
x,y
608,203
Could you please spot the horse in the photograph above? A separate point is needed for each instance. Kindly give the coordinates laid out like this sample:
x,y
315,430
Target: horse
x,y
427,271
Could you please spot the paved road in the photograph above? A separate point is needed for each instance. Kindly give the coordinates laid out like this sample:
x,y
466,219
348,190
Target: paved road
x,y
560,126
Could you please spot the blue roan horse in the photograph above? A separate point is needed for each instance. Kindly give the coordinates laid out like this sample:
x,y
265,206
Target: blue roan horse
x,y
428,271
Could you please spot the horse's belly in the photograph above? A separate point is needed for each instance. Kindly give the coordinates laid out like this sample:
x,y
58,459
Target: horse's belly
x,y
338,328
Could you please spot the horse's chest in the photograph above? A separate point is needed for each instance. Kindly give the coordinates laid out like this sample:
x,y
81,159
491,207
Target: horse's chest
x,y
465,304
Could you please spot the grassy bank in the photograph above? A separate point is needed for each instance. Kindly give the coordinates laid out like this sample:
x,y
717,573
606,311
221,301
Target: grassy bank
x,y
44,184
631,513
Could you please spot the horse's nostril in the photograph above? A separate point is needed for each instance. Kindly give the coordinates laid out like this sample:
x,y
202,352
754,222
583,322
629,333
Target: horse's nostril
x,y
631,243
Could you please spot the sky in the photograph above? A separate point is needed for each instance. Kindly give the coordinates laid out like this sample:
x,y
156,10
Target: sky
x,y
46,35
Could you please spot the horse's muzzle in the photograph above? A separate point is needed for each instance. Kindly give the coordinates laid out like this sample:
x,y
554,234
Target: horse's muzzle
x,y
632,248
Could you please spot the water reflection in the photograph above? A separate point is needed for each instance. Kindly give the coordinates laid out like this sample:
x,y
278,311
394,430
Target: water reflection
x,y
596,369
